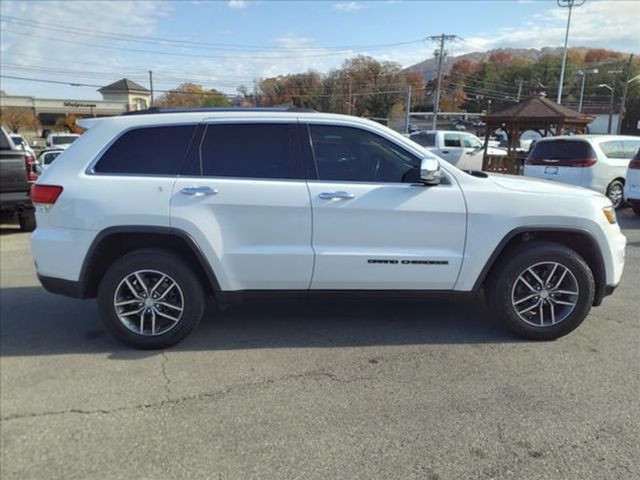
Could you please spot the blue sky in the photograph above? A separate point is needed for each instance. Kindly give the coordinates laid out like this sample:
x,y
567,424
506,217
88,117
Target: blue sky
x,y
239,41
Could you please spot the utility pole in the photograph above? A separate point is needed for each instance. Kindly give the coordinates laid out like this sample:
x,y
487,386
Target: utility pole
x,y
519,90
612,89
570,4
350,101
151,87
627,81
406,128
436,105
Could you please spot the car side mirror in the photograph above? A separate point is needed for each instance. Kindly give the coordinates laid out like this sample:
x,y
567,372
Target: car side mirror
x,y
430,172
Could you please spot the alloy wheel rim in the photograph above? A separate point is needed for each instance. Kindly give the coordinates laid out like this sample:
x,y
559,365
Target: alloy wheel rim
x,y
148,302
615,195
545,294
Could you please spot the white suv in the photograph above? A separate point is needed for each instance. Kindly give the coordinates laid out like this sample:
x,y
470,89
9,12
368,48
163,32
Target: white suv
x,y
597,162
153,212
632,185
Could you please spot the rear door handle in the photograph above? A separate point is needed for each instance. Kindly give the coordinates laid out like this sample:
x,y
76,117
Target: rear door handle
x,y
445,151
341,195
199,191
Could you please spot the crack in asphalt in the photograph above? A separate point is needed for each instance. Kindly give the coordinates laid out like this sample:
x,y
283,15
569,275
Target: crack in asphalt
x,y
167,380
315,374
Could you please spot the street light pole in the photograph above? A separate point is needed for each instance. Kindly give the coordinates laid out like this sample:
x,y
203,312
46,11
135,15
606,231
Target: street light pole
x,y
570,4
583,74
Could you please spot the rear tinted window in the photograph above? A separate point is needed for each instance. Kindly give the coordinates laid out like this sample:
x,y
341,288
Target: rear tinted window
x,y
424,139
150,151
566,150
258,150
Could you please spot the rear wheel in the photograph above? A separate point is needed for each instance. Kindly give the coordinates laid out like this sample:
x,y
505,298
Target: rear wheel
x,y
150,299
542,290
27,221
615,192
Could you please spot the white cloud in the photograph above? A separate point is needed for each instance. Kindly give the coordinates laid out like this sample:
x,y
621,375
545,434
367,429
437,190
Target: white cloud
x,y
612,25
237,3
348,6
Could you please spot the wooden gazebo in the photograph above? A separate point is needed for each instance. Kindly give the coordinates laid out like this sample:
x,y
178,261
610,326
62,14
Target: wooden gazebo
x,y
537,113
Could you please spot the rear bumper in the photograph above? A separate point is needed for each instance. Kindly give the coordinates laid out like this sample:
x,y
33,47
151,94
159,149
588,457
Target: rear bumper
x,y
15,201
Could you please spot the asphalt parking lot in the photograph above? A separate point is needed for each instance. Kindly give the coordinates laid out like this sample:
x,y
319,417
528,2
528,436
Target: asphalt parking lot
x,y
307,389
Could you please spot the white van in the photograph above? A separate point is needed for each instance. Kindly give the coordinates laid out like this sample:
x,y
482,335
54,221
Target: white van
x,y
597,162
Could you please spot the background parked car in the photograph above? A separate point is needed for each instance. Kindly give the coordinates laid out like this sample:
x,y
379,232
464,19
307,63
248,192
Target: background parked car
x,y
597,162
632,185
21,143
462,149
17,173
61,140
48,156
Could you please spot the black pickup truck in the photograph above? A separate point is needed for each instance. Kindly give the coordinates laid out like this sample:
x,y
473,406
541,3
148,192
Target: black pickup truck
x,y
18,170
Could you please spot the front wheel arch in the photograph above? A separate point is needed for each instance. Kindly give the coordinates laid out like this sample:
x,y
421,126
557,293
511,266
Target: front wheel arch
x,y
581,241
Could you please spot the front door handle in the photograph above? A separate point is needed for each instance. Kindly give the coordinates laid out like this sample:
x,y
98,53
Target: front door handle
x,y
341,195
199,191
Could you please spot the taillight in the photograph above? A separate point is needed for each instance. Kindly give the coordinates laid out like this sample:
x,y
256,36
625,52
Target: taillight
x,y
30,165
46,194
635,163
574,162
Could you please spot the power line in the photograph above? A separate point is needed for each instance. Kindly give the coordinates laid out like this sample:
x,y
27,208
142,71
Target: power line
x,y
191,43
76,84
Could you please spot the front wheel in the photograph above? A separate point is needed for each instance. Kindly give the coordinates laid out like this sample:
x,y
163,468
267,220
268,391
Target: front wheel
x,y
541,291
615,192
150,299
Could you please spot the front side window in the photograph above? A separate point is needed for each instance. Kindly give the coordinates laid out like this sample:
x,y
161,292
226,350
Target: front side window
x,y
352,154
452,140
148,151
613,149
470,141
252,150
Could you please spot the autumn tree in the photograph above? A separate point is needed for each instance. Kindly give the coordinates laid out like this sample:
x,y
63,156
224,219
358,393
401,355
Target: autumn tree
x,y
16,118
192,95
595,55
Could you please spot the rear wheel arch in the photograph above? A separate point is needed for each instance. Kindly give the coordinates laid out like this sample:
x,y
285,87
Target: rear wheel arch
x,y
580,241
116,242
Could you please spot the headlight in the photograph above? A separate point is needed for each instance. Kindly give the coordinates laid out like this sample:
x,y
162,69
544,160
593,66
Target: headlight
x,y
610,213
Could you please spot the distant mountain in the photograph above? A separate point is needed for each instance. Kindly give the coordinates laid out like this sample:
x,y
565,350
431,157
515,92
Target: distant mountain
x,y
429,67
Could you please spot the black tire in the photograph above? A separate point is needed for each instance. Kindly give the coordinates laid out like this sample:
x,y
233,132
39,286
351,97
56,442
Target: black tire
x,y
615,193
504,275
27,221
636,210
161,261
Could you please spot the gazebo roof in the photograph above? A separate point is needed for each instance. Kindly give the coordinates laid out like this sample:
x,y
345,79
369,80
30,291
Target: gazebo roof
x,y
538,109
124,85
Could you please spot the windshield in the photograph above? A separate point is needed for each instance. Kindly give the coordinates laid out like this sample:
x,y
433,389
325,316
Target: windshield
x,y
63,140
17,140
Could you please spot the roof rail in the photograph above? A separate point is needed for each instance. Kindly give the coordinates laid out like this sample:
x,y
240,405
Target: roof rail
x,y
154,110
